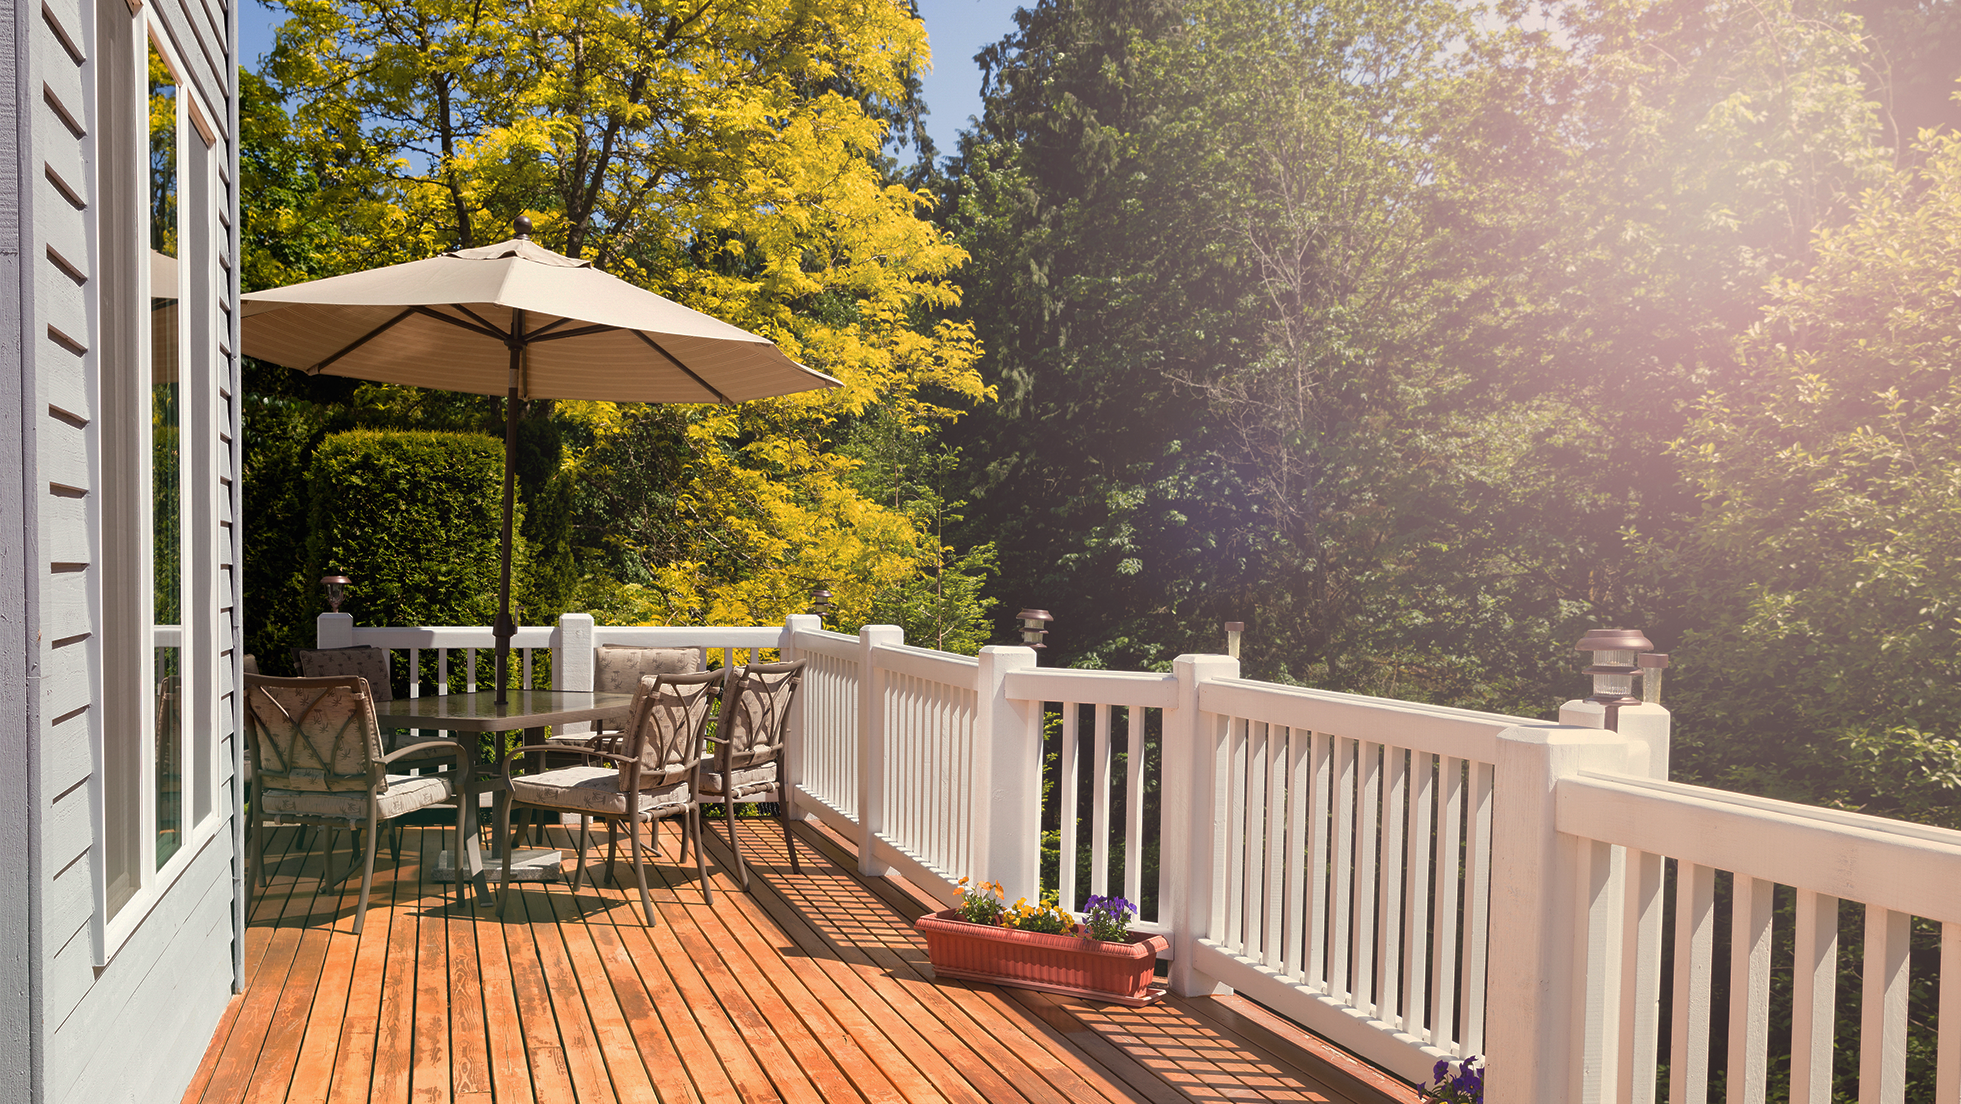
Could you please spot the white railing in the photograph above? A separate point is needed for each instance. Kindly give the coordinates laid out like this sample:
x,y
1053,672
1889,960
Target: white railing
x,y
1409,881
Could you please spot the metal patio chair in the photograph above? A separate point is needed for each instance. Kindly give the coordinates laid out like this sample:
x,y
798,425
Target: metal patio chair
x,y
319,761
651,777
747,764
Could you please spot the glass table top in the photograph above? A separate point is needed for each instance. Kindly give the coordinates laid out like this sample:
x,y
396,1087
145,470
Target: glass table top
x,y
479,712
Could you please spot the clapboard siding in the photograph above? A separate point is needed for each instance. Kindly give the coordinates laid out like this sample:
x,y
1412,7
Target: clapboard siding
x,y
63,454
67,757
64,529
139,1030
70,899
65,606
64,689
64,377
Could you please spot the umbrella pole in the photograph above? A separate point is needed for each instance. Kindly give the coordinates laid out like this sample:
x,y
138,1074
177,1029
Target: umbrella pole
x,y
506,627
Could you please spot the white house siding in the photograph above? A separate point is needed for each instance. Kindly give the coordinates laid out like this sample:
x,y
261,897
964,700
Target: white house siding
x,y
135,1028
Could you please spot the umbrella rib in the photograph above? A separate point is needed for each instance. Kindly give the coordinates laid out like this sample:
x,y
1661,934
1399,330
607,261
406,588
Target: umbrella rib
x,y
655,346
480,326
535,335
360,341
544,329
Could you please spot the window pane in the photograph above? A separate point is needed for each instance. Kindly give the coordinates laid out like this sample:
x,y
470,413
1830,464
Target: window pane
x,y
166,472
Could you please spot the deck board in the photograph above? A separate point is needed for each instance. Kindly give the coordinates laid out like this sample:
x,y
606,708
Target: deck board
x,y
812,988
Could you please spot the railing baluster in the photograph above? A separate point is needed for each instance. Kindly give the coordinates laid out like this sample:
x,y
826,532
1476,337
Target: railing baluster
x,y
1443,956
1814,997
1640,979
470,679
1883,1011
1300,798
1389,910
1947,1060
1416,923
1273,891
1340,945
1695,936
1749,988
1367,814
1477,852
1232,931
1099,805
1069,796
442,671
1249,812
1133,808
1320,819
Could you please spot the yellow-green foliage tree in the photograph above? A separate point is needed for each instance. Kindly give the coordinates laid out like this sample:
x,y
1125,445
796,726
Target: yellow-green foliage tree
x,y
724,153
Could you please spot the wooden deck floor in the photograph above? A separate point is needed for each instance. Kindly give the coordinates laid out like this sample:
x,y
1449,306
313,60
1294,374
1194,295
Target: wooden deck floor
x,y
809,988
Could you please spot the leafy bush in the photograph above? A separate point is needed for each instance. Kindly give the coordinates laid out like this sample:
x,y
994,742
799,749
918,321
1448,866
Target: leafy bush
x,y
414,518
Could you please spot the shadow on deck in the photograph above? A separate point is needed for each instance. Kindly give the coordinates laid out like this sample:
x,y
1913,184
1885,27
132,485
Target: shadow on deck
x,y
811,987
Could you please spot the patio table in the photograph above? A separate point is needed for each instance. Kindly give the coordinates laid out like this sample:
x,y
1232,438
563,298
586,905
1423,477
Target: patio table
x,y
478,712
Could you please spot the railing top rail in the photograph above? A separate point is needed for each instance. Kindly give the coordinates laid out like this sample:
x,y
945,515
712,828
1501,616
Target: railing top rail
x,y
927,663
1065,684
1912,868
449,636
690,636
1436,729
827,643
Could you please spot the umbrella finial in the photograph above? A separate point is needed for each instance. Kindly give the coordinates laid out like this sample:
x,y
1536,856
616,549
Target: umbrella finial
x,y
522,225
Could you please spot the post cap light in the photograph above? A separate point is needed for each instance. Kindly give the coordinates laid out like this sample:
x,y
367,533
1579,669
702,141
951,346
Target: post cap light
x,y
1032,630
820,600
1233,629
336,590
1613,668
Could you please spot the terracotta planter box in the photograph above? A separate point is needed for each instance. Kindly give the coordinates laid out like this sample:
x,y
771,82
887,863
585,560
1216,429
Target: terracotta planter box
x,y
1119,973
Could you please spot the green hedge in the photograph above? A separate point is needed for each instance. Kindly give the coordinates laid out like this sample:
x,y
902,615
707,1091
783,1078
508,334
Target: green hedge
x,y
414,519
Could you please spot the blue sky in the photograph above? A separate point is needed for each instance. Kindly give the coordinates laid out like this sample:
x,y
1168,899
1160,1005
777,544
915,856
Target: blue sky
x,y
957,29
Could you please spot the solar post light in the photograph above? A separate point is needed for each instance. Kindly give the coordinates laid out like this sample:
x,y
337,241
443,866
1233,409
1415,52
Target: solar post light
x,y
1032,630
1613,669
336,590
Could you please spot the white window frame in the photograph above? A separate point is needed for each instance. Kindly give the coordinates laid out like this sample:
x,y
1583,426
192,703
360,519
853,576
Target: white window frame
x,y
196,634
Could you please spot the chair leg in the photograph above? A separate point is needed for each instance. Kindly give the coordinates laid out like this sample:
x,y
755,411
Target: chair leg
x,y
789,842
367,876
395,844
585,823
612,850
257,848
639,867
741,869
691,826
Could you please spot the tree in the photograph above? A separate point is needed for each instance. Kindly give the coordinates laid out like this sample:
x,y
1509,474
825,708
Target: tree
x,y
1829,551
725,153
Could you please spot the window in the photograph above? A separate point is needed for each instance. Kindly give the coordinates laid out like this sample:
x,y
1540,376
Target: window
x,y
155,768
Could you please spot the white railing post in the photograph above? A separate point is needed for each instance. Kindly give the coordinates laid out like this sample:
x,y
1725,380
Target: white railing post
x,y
1007,802
871,743
1193,838
572,666
1646,725
334,630
793,749
1548,974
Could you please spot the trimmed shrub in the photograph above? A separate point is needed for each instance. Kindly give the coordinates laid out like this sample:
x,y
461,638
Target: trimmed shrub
x,y
414,518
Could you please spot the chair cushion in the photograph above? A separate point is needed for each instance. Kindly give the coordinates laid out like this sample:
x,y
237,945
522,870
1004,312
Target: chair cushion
x,y
365,660
406,793
748,780
592,789
618,668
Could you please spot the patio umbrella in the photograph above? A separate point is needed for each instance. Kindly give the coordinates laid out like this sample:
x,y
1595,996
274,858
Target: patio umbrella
x,y
518,320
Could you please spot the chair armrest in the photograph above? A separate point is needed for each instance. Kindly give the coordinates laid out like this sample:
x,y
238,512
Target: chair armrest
x,y
466,761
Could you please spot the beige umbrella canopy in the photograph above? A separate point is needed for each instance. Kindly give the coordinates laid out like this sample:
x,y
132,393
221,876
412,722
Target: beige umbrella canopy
x,y
518,320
